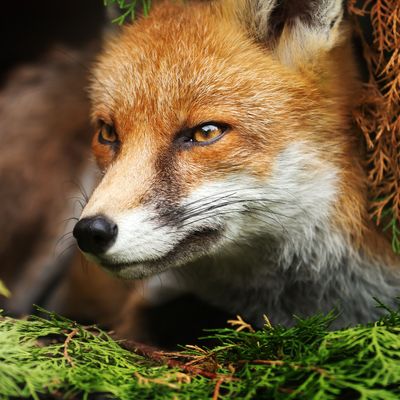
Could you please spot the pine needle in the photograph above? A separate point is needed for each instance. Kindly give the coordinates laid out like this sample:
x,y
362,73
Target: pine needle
x,y
55,357
378,115
128,9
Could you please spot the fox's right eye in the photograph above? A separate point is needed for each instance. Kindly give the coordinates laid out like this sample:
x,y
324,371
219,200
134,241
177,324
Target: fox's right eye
x,y
105,144
107,134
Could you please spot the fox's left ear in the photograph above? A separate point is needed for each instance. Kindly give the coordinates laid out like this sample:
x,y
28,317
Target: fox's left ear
x,y
297,31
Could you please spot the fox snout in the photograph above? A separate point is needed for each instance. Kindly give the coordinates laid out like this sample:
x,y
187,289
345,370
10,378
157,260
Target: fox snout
x,y
95,235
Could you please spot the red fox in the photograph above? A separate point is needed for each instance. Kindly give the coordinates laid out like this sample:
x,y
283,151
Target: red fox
x,y
231,168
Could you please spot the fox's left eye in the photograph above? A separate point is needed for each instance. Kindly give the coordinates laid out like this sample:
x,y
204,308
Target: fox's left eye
x,y
202,135
207,133
107,134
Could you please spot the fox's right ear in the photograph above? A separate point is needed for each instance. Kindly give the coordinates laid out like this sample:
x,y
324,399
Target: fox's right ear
x,y
297,31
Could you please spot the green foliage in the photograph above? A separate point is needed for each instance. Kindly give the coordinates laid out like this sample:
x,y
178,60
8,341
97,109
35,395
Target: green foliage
x,y
55,356
394,228
128,8
389,223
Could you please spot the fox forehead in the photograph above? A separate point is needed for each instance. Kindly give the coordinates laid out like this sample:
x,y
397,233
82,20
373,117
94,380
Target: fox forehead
x,y
187,64
190,63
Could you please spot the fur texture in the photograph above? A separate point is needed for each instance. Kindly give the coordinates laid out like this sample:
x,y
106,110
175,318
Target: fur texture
x,y
271,218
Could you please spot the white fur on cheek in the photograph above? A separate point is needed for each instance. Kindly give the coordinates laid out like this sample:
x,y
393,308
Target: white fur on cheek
x,y
295,197
293,200
141,237
302,187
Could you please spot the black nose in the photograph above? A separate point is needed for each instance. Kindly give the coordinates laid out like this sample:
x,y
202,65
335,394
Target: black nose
x,y
95,235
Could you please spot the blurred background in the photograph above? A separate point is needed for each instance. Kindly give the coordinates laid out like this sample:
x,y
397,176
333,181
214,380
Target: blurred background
x,y
46,170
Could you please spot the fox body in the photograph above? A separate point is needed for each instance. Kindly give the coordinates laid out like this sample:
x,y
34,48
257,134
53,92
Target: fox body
x,y
231,168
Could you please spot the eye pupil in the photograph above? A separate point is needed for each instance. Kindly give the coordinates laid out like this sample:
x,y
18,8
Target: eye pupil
x,y
107,134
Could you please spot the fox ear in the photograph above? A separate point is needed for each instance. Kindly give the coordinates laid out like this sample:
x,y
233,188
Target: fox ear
x,y
298,31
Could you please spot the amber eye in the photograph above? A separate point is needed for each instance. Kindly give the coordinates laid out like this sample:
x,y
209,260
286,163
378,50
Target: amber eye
x,y
107,134
207,133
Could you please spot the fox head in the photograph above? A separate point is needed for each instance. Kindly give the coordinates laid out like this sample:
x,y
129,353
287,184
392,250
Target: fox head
x,y
219,123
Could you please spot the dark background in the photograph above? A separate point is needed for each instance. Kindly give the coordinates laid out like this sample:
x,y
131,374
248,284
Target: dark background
x,y
47,48
29,28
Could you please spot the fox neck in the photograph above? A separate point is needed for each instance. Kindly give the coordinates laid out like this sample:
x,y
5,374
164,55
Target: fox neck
x,y
300,276
321,253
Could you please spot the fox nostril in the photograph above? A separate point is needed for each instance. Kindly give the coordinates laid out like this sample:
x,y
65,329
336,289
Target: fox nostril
x,y
95,235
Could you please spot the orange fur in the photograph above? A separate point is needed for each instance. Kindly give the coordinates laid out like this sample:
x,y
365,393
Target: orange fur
x,y
311,100
190,63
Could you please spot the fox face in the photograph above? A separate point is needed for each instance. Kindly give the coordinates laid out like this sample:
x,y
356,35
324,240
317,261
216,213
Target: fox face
x,y
225,140
219,125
